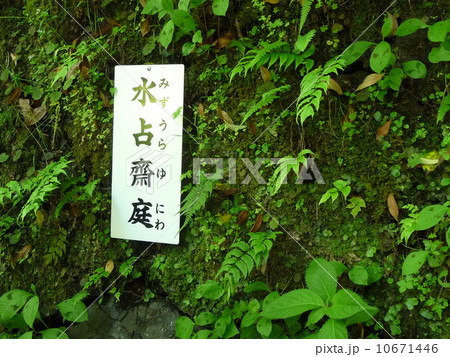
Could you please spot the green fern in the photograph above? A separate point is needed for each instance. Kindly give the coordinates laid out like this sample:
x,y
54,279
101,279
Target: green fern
x,y
243,258
312,87
443,108
306,8
270,53
267,98
196,199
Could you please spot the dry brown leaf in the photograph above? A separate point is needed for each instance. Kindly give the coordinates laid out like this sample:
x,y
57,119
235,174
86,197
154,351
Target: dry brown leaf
x,y
237,24
369,80
265,74
39,217
392,205
113,22
332,84
228,192
384,130
14,58
23,253
394,24
145,27
14,95
31,116
221,42
105,100
257,224
242,216
252,127
84,66
201,110
143,3
272,1
109,267
224,116
74,68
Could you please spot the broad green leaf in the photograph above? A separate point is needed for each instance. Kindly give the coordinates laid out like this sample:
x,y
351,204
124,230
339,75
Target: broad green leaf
x,y
11,302
430,216
53,333
183,20
166,34
345,304
414,262
443,274
359,275
184,327
210,290
202,334
256,286
264,327
375,272
362,316
231,330
380,57
355,51
415,69
321,278
205,318
30,311
249,318
167,5
183,5
409,26
187,48
438,31
333,329
441,53
26,335
293,303
73,310
315,315
220,7
292,325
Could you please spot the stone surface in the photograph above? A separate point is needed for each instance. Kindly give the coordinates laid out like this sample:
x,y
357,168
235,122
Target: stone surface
x,y
155,319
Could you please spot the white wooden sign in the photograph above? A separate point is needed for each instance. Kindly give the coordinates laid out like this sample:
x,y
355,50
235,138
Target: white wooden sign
x,y
147,148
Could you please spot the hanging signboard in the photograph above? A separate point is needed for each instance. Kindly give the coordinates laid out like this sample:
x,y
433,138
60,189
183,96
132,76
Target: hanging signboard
x,y
147,147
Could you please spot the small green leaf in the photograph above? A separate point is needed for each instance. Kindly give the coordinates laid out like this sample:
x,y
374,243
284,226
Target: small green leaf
x,y
184,327
409,26
315,316
438,31
355,51
210,290
183,20
73,310
205,318
414,262
11,302
380,57
249,318
345,304
321,278
220,7
264,327
3,157
359,275
415,69
54,333
166,34
430,216
256,286
187,48
333,329
30,311
26,335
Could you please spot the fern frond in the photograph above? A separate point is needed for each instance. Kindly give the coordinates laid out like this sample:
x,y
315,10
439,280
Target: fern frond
x,y
306,8
267,98
196,199
269,53
443,108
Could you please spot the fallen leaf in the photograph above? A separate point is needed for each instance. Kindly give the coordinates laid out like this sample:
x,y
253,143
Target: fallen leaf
x,y
392,205
109,267
113,22
257,224
201,110
265,74
332,84
145,27
143,3
23,253
14,95
103,31
84,66
235,127
384,130
228,192
31,116
105,100
39,217
241,218
394,24
221,42
237,24
369,80
14,58
252,127
224,116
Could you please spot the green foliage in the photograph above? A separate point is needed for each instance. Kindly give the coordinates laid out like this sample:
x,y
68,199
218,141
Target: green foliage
x,y
355,205
196,199
269,54
74,309
333,193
